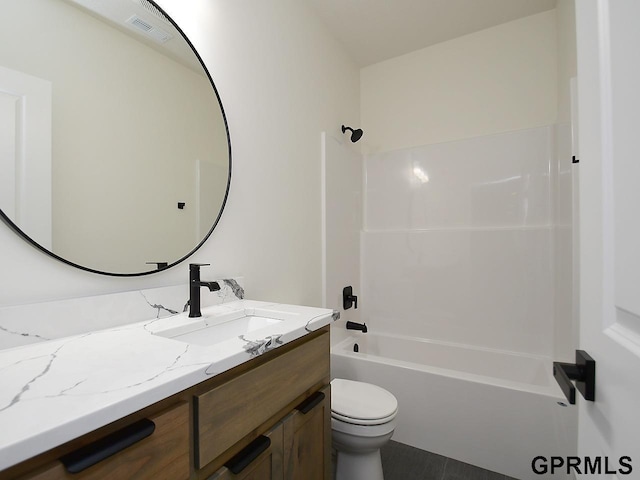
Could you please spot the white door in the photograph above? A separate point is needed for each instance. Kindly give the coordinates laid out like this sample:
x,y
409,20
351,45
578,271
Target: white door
x,y
608,35
8,106
25,153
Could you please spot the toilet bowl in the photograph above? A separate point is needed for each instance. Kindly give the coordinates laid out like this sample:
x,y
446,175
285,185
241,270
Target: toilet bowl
x,y
362,420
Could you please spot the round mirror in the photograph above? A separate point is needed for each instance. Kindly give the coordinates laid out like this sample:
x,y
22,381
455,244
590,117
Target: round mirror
x,y
114,148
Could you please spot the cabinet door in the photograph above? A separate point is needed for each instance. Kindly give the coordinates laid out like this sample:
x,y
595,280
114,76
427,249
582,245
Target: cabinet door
x,y
266,466
307,439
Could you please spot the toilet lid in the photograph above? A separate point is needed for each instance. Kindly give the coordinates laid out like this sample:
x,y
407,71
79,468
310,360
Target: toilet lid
x,y
361,403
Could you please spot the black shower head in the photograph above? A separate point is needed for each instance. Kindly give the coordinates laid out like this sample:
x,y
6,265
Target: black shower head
x,y
355,134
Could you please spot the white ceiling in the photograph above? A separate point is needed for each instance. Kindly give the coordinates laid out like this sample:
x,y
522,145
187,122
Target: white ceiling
x,y
375,30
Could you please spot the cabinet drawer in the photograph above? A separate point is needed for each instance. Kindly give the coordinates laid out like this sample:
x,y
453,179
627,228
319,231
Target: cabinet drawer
x,y
221,416
162,455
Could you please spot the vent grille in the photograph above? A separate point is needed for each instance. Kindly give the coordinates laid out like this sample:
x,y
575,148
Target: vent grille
x,y
140,24
149,30
151,8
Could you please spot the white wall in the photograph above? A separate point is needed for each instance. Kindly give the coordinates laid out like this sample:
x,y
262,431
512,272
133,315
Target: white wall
x,y
496,80
567,57
342,182
566,223
282,80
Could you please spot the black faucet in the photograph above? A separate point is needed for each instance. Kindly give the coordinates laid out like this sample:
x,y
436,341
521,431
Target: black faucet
x,y
194,288
357,326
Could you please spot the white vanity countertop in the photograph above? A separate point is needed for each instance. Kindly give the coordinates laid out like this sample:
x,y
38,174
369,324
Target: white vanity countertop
x,y
52,392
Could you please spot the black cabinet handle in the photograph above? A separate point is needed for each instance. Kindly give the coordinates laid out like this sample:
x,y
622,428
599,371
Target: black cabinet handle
x,y
97,451
248,454
306,406
583,372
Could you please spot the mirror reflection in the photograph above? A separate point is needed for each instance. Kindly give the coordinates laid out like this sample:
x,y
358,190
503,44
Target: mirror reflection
x,y
114,149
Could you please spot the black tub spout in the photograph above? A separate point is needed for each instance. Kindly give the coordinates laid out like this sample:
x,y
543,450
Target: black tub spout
x,y
357,326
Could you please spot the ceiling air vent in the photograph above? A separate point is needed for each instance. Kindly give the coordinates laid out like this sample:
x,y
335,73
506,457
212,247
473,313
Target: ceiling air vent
x,y
149,30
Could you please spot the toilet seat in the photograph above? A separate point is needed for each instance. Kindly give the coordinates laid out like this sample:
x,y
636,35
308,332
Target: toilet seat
x,y
359,421
360,403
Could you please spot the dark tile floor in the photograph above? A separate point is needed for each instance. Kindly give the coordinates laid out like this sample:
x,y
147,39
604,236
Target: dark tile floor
x,y
403,462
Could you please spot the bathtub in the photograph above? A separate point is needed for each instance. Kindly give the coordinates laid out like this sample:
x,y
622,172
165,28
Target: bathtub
x,y
497,410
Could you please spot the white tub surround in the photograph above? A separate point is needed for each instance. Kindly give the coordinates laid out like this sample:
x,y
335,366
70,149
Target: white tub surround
x,y
55,391
494,409
459,243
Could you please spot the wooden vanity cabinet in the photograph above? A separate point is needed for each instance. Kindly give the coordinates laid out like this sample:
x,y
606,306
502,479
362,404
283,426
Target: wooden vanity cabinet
x,y
279,402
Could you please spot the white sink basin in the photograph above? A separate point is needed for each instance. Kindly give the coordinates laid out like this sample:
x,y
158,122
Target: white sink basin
x,y
224,331
208,331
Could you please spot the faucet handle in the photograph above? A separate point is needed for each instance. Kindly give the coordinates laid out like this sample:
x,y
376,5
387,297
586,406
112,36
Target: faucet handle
x,y
194,271
195,267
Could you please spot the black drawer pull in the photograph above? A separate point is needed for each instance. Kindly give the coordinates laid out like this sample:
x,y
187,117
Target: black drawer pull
x,y
97,451
306,406
248,454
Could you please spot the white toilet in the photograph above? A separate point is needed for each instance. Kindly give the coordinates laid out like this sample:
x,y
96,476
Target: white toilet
x,y
362,420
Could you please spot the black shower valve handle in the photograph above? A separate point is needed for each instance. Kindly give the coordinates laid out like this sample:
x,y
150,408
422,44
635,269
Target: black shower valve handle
x,y
348,298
